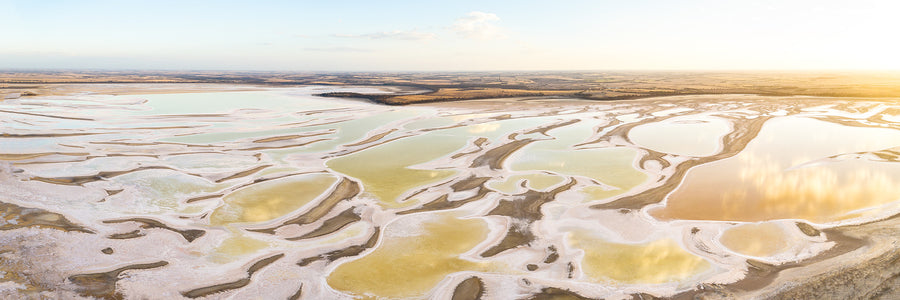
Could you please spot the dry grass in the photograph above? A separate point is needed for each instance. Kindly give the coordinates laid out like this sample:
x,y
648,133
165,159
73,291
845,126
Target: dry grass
x,y
451,94
479,85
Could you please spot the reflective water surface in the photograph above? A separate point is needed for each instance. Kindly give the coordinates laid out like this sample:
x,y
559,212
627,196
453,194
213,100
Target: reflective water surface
x,y
287,195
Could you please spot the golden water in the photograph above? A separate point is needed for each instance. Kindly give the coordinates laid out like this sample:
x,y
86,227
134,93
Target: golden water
x,y
654,262
270,200
600,199
410,265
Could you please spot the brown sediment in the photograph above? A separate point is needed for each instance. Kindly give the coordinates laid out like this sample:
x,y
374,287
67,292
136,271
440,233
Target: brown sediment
x,y
194,152
43,115
523,207
113,192
379,143
808,229
103,285
479,142
495,157
161,127
81,158
80,180
107,250
278,138
264,179
282,146
620,131
734,142
649,196
332,225
515,237
209,290
760,274
35,217
346,252
527,206
653,156
326,123
344,190
17,156
72,146
551,293
72,180
644,296
879,119
553,256
201,198
442,202
326,110
470,289
124,155
855,122
886,155
46,135
134,144
469,183
875,278
442,127
290,137
188,116
127,235
296,295
20,271
543,129
699,243
605,137
244,173
372,138
189,234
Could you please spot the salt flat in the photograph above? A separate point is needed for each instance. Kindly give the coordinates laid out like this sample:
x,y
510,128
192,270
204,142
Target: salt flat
x,y
242,192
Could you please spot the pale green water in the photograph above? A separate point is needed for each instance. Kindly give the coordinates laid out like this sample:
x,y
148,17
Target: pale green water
x,y
377,201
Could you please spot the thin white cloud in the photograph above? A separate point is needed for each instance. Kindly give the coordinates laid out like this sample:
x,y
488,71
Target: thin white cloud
x,y
411,35
478,26
337,49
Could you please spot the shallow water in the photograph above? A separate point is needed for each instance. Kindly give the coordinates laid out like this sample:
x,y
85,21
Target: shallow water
x,y
280,193
388,171
272,199
409,264
655,262
763,239
789,172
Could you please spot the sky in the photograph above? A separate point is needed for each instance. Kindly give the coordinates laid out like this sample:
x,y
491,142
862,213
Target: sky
x,y
459,35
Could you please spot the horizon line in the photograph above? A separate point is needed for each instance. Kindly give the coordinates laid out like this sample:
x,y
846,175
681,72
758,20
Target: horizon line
x,y
848,70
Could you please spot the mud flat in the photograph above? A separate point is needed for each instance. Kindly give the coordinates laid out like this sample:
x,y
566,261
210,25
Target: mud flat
x,y
274,192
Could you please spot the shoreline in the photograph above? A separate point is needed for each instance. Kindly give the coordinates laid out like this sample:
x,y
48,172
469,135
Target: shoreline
x,y
393,94
431,87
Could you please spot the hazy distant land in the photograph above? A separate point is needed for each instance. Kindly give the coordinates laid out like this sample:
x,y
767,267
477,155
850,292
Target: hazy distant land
x,y
449,86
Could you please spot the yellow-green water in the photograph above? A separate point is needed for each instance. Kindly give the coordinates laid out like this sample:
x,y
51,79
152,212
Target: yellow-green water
x,y
363,200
